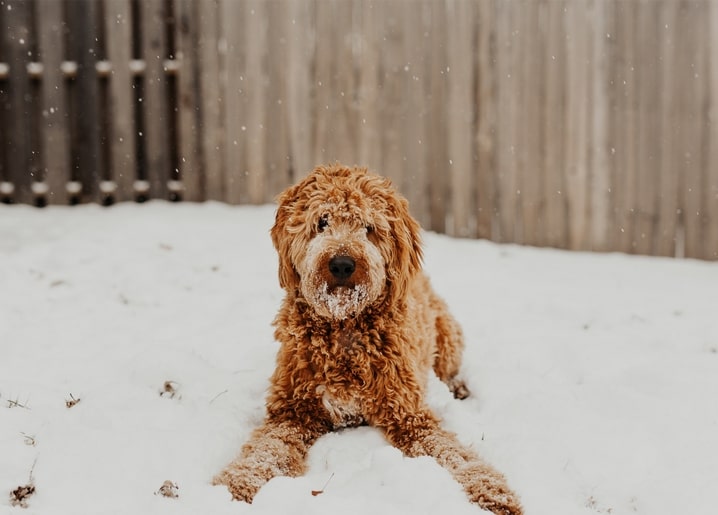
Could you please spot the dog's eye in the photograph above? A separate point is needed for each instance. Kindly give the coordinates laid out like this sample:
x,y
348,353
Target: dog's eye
x,y
323,223
369,229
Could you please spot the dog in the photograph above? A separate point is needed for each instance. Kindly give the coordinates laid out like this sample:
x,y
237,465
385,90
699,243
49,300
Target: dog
x,y
360,328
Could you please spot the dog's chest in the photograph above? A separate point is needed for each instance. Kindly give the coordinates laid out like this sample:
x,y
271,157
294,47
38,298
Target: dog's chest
x,y
347,372
343,410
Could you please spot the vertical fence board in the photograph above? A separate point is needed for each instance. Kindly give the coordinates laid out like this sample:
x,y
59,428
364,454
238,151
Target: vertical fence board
x,y
529,147
415,112
509,51
600,164
624,125
277,148
437,157
711,189
649,130
256,82
485,100
690,74
668,177
53,123
460,112
121,137
554,132
327,35
211,101
368,87
84,33
186,38
154,98
18,109
391,91
298,87
232,32
334,83
579,74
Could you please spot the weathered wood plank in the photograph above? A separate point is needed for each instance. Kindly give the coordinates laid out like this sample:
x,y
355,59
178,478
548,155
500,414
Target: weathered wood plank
x,y
600,151
122,124
188,121
54,122
690,71
648,70
579,71
232,32
437,137
212,100
333,83
256,82
84,31
487,116
509,86
300,41
370,48
417,25
18,109
530,148
624,126
278,160
710,205
555,137
460,106
391,91
668,243
154,101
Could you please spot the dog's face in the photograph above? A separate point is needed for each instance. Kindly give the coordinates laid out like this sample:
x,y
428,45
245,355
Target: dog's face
x,y
345,241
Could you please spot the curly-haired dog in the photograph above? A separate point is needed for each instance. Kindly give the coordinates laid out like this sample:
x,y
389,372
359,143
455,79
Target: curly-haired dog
x,y
360,328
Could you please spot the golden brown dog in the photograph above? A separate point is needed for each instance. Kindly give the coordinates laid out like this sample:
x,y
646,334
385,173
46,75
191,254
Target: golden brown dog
x,y
360,329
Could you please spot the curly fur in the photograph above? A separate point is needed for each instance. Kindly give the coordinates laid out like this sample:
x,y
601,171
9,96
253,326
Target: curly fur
x,y
357,347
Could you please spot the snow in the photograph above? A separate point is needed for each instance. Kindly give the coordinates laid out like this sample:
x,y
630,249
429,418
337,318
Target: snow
x,y
594,376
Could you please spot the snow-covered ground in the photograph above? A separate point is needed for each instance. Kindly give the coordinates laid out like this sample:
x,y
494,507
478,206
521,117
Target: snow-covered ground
x,y
595,377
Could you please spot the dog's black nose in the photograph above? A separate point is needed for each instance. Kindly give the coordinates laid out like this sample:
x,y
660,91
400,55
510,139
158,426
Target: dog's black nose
x,y
342,267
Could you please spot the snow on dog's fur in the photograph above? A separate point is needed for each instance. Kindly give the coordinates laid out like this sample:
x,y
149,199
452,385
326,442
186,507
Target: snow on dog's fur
x,y
360,328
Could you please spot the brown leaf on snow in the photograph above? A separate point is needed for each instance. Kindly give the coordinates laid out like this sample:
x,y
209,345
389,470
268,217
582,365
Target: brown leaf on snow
x,y
168,489
19,496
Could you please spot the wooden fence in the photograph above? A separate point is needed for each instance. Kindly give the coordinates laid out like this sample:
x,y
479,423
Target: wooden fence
x,y
582,124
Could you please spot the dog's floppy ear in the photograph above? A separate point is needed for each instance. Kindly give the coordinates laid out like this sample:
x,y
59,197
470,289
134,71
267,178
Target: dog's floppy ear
x,y
288,277
407,240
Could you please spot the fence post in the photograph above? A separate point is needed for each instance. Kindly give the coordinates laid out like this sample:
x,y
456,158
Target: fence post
x,y
18,111
121,108
156,121
86,129
188,116
54,117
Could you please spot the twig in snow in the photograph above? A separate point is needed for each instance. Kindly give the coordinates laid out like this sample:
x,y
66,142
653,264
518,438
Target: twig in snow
x,y
21,494
29,440
16,403
72,402
215,397
169,390
318,492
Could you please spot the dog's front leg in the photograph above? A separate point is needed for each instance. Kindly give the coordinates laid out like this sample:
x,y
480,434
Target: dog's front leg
x,y
419,434
274,449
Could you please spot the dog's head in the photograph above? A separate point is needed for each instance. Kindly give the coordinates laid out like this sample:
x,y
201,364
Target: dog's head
x,y
345,240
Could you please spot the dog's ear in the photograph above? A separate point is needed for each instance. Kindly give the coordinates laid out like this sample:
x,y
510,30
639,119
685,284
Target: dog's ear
x,y
407,240
288,277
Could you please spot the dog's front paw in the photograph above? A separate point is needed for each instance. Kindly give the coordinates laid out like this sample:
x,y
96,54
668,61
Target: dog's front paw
x,y
239,483
488,489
